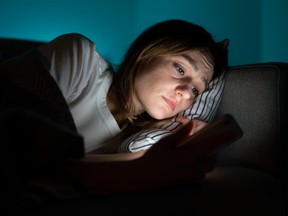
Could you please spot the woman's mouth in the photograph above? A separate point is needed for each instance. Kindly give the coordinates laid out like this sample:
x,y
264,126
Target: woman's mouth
x,y
170,102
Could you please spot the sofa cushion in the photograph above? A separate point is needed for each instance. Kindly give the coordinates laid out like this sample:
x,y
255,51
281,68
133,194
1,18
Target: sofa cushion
x,y
232,190
14,47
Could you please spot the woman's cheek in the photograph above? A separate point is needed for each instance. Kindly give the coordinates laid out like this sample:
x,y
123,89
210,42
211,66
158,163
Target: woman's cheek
x,y
184,106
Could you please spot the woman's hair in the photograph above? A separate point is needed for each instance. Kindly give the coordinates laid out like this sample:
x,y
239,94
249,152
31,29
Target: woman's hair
x,y
165,38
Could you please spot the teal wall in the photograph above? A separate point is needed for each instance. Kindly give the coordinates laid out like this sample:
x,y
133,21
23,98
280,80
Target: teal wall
x,y
274,30
257,29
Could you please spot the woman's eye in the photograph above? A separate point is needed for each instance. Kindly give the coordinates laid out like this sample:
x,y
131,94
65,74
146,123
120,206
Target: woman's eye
x,y
179,69
195,91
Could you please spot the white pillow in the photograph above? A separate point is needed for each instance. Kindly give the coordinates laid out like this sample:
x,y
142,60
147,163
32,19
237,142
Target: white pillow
x,y
204,108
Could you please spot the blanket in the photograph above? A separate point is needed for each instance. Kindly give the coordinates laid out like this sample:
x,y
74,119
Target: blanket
x,y
36,126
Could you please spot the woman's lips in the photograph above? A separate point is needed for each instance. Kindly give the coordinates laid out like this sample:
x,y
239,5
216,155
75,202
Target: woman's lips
x,y
171,102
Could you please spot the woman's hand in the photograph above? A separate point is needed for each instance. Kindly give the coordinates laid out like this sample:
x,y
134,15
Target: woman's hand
x,y
166,164
197,124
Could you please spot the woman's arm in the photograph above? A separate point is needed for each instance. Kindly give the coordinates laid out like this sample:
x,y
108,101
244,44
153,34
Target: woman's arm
x,y
113,157
162,165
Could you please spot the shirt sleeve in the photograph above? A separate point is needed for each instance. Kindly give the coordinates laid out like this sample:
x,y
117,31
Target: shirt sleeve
x,y
69,59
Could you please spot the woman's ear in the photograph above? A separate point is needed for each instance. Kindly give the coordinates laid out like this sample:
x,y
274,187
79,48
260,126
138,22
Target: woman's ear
x,y
225,43
222,46
222,52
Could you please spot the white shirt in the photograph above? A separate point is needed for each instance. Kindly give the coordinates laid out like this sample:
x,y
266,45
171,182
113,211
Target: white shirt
x,y
84,78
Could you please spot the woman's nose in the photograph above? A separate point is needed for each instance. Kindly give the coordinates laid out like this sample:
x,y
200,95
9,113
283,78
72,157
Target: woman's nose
x,y
185,92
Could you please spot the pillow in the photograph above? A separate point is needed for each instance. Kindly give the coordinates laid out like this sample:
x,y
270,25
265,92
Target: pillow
x,y
204,108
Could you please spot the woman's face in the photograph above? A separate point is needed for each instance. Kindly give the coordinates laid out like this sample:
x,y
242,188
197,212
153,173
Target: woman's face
x,y
169,84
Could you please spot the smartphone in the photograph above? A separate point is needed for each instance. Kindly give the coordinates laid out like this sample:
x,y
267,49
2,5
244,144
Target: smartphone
x,y
214,136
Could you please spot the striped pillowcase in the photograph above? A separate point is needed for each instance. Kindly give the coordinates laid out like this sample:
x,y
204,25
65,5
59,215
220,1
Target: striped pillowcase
x,y
204,108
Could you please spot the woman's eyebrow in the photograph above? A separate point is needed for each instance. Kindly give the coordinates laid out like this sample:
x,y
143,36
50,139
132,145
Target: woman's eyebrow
x,y
191,61
193,64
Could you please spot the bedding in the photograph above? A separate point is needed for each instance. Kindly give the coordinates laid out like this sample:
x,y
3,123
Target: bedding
x,y
36,126
27,88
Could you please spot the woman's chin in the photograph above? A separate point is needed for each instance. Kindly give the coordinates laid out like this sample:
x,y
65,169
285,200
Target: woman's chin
x,y
160,116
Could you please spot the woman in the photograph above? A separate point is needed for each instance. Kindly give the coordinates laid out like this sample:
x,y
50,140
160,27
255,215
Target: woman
x,y
164,70
162,73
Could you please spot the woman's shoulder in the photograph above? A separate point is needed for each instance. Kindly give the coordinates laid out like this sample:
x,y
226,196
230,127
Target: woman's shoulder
x,y
76,42
77,39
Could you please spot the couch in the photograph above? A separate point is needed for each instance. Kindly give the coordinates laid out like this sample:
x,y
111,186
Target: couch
x,y
252,173
250,177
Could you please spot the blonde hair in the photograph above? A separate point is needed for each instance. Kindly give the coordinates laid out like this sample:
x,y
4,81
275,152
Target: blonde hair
x,y
165,38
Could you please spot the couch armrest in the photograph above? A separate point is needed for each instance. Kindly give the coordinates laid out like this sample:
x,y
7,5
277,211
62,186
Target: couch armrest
x,y
255,96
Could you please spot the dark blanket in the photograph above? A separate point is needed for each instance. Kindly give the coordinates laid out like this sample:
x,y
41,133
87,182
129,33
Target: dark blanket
x,y
36,126
26,84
